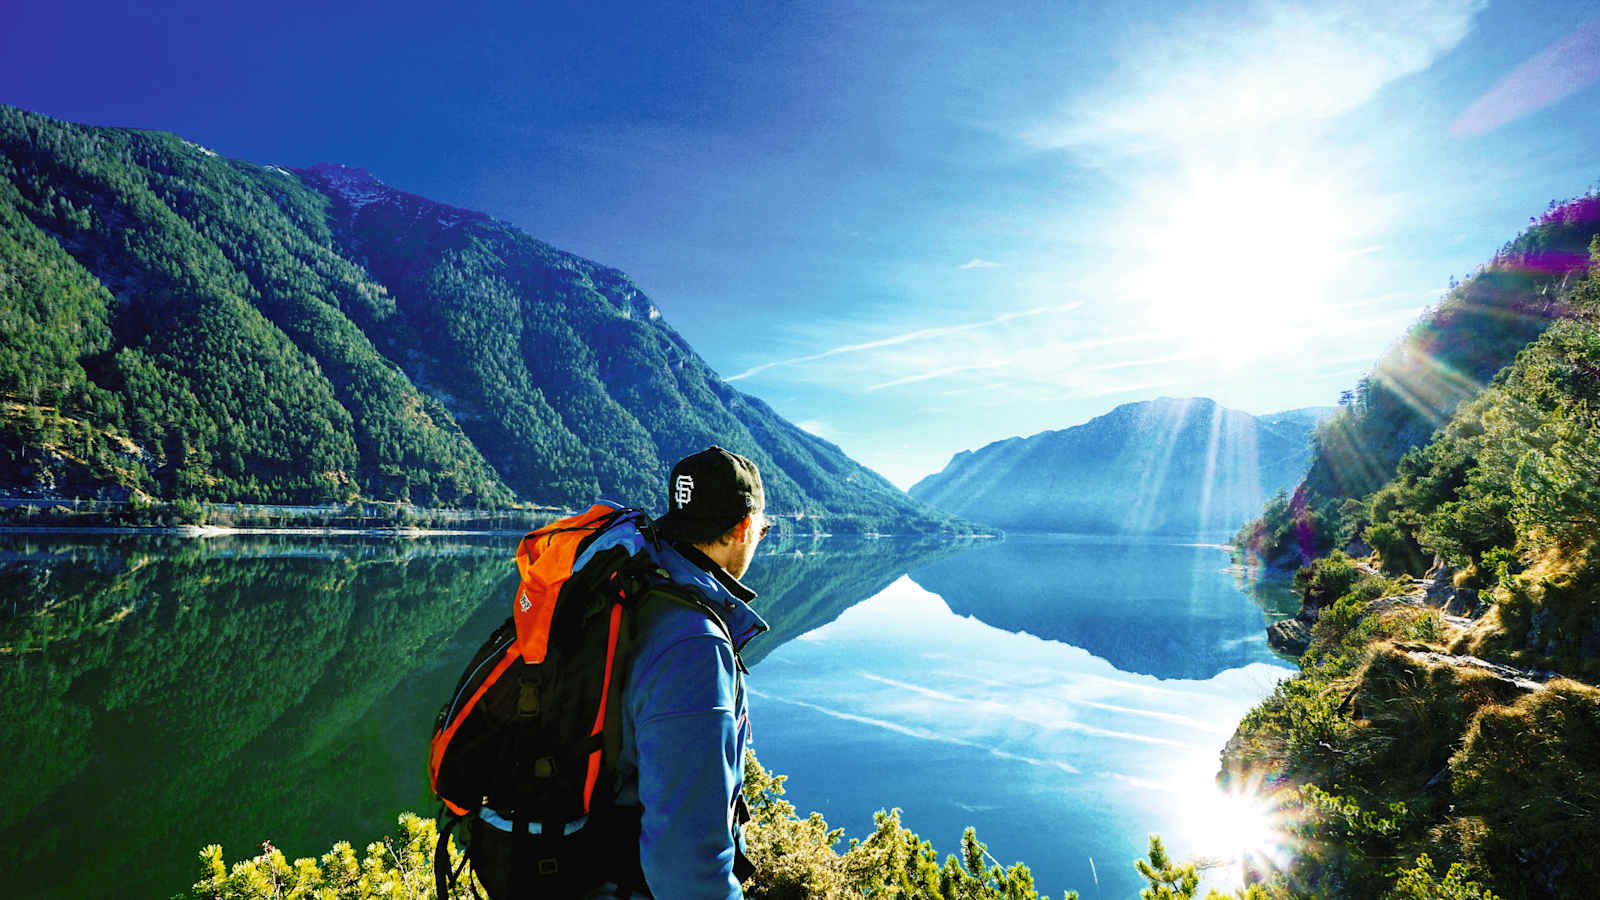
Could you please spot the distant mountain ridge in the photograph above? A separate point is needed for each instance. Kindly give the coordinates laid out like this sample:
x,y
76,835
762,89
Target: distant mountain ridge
x,y
1159,466
186,326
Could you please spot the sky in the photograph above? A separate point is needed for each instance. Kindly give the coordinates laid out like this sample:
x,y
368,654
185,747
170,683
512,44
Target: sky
x,y
917,228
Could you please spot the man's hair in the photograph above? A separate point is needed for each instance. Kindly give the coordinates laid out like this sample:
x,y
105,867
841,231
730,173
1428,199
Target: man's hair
x,y
726,537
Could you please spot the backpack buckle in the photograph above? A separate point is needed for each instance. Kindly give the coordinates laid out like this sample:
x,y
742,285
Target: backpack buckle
x,y
548,866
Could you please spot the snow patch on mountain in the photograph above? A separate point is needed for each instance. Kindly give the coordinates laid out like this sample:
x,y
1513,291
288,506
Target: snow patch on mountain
x,y
357,187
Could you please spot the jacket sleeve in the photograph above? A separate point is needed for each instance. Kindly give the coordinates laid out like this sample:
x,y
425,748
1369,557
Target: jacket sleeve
x,y
689,762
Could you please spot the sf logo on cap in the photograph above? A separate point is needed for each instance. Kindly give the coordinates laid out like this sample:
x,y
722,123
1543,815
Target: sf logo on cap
x,y
683,490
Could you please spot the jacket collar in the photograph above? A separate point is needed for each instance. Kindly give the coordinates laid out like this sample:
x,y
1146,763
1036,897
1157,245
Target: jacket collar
x,y
729,596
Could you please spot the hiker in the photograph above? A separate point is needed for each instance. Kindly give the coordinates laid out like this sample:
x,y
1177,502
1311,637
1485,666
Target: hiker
x,y
594,746
685,725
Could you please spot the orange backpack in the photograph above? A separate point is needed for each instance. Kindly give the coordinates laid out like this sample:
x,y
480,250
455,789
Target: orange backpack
x,y
535,721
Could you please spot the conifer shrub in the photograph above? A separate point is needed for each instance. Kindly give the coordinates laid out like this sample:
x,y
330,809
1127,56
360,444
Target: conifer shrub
x,y
1344,632
1419,882
1398,552
1327,579
795,860
394,867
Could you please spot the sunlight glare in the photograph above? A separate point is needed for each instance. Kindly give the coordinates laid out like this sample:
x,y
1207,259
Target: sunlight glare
x,y
1239,262
1238,828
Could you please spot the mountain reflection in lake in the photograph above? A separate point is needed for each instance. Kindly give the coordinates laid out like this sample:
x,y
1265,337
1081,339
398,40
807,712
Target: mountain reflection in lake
x,y
1070,742
160,694
1156,606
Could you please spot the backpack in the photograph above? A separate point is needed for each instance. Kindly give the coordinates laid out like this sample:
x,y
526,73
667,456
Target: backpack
x,y
524,751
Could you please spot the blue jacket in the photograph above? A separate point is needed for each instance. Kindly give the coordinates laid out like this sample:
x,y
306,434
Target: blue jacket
x,y
685,725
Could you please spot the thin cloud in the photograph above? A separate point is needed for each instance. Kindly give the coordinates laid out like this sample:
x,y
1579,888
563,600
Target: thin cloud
x,y
1140,363
1552,75
913,732
1047,365
936,373
1175,718
920,334
977,263
1111,389
1266,67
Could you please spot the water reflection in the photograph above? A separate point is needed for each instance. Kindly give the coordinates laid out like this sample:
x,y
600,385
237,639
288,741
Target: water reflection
x,y
158,694
1149,605
163,696
805,584
1060,738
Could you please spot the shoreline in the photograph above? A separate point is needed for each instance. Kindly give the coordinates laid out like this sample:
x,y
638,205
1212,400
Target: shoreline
x,y
206,531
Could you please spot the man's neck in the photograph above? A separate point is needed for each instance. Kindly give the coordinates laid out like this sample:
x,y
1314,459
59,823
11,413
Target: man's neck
x,y
698,556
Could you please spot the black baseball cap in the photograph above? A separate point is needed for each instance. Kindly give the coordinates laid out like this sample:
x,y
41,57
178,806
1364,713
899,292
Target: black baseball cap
x,y
708,493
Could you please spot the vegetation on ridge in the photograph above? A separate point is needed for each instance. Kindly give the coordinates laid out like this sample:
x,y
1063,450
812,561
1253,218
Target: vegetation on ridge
x,y
1452,716
1448,357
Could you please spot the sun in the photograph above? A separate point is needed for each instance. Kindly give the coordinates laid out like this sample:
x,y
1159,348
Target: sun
x,y
1243,826
1239,263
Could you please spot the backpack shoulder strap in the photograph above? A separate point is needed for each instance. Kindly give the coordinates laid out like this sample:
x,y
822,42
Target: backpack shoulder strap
x,y
658,586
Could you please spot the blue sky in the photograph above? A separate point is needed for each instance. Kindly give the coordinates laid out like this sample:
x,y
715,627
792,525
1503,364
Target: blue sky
x,y
916,228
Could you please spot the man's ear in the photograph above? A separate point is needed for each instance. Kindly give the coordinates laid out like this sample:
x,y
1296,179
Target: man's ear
x,y
741,531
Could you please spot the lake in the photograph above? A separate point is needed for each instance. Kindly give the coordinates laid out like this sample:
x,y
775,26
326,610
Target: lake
x,y
1065,695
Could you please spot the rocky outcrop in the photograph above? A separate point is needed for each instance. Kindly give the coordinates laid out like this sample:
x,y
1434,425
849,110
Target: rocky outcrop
x,y
1440,592
1512,676
1459,605
1290,636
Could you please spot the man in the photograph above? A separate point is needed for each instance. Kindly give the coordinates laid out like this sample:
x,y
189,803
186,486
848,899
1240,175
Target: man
x,y
684,718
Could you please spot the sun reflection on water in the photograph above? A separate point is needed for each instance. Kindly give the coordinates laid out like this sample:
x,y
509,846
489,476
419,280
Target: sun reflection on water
x,y
1235,830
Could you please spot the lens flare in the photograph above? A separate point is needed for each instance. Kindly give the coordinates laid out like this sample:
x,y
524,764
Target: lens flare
x,y
1240,831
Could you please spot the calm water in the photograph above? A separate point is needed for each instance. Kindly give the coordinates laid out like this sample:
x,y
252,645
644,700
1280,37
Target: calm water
x,y
1063,695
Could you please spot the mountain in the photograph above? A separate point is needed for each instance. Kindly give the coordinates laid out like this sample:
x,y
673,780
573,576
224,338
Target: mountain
x,y
183,326
1446,708
1158,466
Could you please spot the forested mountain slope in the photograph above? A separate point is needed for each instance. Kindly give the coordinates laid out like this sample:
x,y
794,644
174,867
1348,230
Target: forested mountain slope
x,y
1453,714
192,327
1158,466
1449,356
